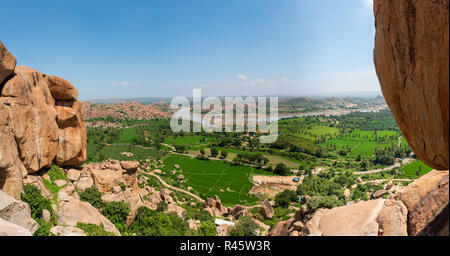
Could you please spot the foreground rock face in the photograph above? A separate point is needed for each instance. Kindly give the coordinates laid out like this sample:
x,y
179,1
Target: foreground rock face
x,y
17,212
7,63
411,59
367,218
74,211
41,122
425,199
11,229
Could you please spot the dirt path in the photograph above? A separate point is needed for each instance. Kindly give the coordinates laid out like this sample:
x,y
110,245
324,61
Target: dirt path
x,y
396,165
165,184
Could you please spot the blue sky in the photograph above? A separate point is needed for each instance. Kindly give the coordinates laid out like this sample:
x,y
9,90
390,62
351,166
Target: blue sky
x,y
115,49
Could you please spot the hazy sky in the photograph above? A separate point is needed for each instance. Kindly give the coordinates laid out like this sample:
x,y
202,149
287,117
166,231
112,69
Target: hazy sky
x,y
115,49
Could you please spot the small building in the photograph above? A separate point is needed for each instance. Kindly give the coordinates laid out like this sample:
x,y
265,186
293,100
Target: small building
x,y
219,222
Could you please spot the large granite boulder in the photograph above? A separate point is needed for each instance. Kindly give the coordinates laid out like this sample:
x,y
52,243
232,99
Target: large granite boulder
x,y
427,201
74,211
366,218
17,212
7,63
41,123
411,60
10,229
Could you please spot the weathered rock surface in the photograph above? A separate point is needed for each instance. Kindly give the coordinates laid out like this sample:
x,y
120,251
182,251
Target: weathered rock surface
x,y
16,212
11,229
60,88
67,231
425,199
411,60
215,207
7,63
40,123
365,218
267,209
74,211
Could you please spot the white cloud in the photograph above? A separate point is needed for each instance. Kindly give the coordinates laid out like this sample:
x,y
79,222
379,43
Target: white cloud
x,y
286,80
257,81
368,3
123,83
242,77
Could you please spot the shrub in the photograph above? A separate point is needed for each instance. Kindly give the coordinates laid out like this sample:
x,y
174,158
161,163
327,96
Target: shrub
x,y
281,169
55,173
245,226
37,202
93,196
161,206
44,228
285,198
93,230
207,228
117,213
323,202
153,223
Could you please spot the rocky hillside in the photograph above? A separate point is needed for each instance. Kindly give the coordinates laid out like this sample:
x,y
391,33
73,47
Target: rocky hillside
x,y
124,110
41,123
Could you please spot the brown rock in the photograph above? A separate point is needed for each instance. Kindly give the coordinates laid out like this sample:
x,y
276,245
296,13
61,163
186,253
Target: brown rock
x,y
11,229
282,228
392,219
32,115
7,63
73,175
71,150
60,88
16,212
267,209
74,211
411,59
425,199
360,219
129,165
379,193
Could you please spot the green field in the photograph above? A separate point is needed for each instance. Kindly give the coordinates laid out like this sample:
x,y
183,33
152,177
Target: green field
x,y
210,177
96,153
412,168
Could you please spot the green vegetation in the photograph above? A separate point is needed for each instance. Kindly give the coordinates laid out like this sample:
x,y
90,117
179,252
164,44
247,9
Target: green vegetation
x,y
92,196
93,230
285,198
154,223
231,183
37,202
245,226
55,173
416,169
117,213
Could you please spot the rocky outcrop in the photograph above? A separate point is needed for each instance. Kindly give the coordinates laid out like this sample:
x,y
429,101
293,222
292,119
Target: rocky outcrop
x,y
425,199
74,211
17,212
109,177
266,209
411,60
11,229
7,63
41,123
215,207
366,218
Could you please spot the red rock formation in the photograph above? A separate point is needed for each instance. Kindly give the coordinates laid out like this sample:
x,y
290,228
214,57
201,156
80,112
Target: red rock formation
x,y
41,123
411,59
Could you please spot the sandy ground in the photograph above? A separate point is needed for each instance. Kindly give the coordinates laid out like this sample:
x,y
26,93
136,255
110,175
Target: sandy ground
x,y
272,185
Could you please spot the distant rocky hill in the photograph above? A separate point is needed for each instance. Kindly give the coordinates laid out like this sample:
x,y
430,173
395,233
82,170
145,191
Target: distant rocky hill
x,y
124,110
